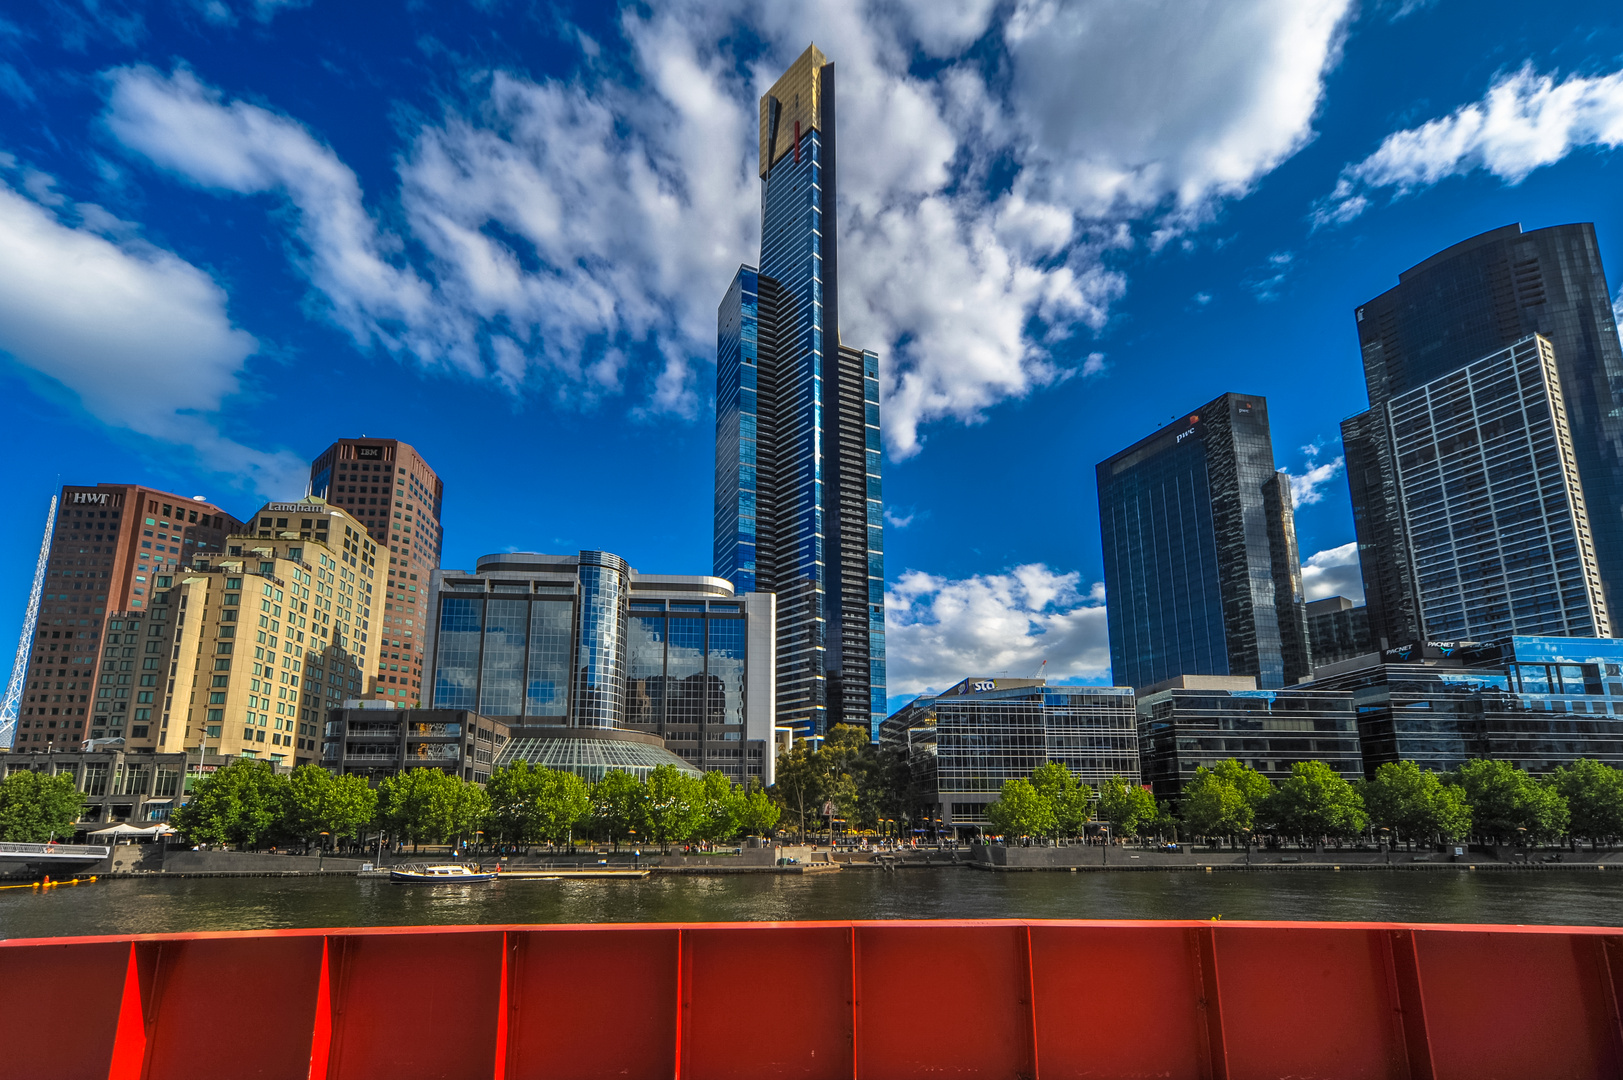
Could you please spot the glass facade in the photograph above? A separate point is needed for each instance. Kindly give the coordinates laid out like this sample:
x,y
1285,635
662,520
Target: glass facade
x,y
799,505
1183,728
1338,629
1474,299
542,642
1201,570
600,657
1539,702
980,738
1498,530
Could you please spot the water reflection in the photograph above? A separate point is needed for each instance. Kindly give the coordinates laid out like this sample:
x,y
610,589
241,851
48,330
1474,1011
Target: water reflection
x,y
159,906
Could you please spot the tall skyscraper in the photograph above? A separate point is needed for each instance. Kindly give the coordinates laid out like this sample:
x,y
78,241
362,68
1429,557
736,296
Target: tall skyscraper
x,y
387,485
799,510
1497,526
114,547
1463,305
1201,569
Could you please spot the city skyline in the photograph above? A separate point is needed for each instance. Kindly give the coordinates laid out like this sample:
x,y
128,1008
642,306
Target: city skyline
x,y
1201,280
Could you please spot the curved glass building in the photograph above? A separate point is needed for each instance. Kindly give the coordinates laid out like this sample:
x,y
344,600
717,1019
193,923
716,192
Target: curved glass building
x,y
593,666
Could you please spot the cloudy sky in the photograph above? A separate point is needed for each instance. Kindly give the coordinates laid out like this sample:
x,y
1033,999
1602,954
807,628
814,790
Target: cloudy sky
x,y
233,230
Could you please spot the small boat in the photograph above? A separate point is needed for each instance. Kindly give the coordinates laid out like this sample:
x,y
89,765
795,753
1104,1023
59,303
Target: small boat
x,y
445,874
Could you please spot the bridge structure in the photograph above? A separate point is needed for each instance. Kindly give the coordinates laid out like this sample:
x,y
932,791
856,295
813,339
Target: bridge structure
x,y
915,1000
52,854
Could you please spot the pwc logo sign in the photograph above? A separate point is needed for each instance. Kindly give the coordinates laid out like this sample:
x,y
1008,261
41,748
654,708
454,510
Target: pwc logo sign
x,y
1192,421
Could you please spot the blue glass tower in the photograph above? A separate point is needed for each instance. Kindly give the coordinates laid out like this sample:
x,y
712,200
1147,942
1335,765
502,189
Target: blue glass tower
x,y
799,510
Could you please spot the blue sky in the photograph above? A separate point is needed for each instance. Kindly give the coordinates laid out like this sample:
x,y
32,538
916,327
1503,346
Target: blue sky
x,y
231,231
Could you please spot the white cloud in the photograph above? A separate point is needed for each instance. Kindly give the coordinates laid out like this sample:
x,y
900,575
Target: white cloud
x,y
140,337
1266,281
940,630
1185,100
186,127
1333,572
898,521
587,226
1094,364
1308,487
1525,121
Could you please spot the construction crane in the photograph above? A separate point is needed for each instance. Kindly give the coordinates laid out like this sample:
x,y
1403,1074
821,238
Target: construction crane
x,y
10,705
1040,668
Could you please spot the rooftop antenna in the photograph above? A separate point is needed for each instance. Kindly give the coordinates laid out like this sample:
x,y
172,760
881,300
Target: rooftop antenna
x,y
9,705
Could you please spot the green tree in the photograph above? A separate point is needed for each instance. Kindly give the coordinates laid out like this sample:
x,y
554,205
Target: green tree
x,y
1128,807
617,805
415,805
1214,805
1505,801
241,804
759,816
1416,804
36,808
564,800
1594,794
723,808
1069,799
673,805
319,802
1021,810
462,808
803,783
1253,787
1315,800
515,803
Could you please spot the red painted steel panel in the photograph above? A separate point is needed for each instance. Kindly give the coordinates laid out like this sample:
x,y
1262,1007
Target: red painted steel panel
x,y
1333,1016
736,975
413,1004
822,1001
206,989
1116,1001
592,1005
976,973
1514,1004
59,1004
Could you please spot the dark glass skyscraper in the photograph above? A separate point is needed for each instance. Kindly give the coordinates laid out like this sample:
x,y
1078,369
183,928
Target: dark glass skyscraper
x,y
799,510
1477,298
1201,569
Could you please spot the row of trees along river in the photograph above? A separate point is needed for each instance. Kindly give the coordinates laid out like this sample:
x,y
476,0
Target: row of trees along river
x,y
1490,801
872,790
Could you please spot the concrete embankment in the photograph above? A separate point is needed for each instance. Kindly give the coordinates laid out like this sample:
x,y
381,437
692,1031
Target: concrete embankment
x,y
998,858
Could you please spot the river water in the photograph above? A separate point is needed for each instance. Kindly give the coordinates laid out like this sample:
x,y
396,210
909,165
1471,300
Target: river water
x,y
146,906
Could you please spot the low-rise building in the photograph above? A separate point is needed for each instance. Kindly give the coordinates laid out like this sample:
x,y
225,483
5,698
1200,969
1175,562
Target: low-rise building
x,y
376,740
965,743
138,786
1195,720
1539,702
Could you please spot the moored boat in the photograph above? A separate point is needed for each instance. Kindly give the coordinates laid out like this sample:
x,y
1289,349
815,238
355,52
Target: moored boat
x,y
443,874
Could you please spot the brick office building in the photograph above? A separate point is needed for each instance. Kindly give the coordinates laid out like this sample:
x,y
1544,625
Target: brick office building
x,y
114,545
388,486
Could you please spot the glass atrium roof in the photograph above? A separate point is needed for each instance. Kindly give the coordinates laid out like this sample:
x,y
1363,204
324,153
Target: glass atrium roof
x,y
591,758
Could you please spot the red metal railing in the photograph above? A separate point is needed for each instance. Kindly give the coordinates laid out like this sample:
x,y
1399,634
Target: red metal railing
x,y
820,1001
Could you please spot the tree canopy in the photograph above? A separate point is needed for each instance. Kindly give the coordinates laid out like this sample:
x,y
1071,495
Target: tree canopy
x,y
1415,804
36,807
1505,801
1315,800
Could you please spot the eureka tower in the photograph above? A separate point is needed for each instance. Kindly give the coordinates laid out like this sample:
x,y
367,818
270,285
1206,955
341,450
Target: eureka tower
x,y
798,506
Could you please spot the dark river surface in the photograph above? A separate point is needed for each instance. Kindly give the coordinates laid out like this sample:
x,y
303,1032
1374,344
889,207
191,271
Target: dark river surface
x,y
144,906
